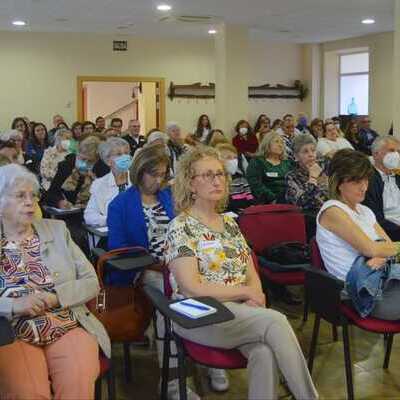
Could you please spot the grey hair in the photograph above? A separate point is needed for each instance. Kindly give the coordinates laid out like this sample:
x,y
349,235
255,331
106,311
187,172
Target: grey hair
x,y
380,141
302,140
89,146
155,136
106,148
12,175
11,134
266,144
171,125
59,134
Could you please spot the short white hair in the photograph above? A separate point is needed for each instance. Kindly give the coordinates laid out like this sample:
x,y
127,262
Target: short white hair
x,y
106,148
12,175
380,141
11,134
172,125
58,137
156,135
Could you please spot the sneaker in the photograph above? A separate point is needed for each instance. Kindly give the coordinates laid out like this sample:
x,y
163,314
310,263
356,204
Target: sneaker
x,y
173,391
218,379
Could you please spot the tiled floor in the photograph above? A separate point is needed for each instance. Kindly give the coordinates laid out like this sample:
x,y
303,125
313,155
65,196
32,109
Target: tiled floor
x,y
370,380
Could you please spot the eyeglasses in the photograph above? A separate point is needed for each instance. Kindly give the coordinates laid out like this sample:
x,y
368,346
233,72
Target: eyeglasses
x,y
210,176
155,175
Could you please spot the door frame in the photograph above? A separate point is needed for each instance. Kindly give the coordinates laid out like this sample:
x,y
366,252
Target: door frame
x,y
160,96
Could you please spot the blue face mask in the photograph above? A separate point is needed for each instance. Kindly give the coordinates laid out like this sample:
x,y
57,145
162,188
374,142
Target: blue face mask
x,y
123,163
303,121
82,165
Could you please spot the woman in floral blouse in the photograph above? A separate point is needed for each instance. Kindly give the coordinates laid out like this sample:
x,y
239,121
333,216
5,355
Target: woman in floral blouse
x,y
208,256
54,155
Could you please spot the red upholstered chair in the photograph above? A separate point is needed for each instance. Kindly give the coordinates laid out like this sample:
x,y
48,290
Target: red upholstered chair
x,y
267,225
323,291
106,371
204,355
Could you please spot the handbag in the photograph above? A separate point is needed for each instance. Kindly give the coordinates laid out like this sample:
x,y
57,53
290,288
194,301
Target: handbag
x,y
286,257
124,311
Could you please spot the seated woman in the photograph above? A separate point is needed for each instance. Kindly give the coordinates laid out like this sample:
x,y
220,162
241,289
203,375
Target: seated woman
x,y
17,138
116,154
266,172
317,128
331,142
307,183
262,127
353,135
37,144
139,217
208,256
240,196
46,281
54,155
20,125
245,140
203,129
351,240
72,181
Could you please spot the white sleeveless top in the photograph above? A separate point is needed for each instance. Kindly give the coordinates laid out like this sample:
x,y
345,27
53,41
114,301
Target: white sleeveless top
x,y
338,255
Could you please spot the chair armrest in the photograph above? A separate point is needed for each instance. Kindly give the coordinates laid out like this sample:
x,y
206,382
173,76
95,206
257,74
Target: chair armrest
x,y
7,335
161,303
323,294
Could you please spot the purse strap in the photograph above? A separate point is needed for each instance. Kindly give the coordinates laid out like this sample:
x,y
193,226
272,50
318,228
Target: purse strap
x,y
101,262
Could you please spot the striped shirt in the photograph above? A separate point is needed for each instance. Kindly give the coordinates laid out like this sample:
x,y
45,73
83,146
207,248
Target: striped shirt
x,y
157,221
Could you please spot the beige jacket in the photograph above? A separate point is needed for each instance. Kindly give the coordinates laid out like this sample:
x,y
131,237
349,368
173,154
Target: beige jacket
x,y
74,277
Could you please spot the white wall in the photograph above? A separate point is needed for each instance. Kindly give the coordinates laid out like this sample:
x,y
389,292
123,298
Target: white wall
x,y
381,75
38,72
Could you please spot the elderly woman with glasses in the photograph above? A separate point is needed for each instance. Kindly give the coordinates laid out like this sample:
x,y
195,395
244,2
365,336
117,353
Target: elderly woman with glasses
x,y
45,282
116,154
208,256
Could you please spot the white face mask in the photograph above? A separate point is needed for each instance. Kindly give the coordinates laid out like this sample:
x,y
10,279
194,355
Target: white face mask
x,y
243,131
65,144
231,166
391,160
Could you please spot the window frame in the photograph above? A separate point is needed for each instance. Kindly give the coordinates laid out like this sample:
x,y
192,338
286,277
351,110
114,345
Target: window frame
x,y
353,74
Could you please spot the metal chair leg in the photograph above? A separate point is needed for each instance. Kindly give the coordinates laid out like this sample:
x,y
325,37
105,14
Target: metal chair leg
x,y
111,390
97,388
347,362
314,340
334,333
127,362
181,370
165,364
305,310
388,350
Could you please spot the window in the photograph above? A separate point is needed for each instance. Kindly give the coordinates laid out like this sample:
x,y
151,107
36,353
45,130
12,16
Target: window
x,y
354,83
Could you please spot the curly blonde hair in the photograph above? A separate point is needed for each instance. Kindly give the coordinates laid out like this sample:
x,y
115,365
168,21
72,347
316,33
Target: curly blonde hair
x,y
183,196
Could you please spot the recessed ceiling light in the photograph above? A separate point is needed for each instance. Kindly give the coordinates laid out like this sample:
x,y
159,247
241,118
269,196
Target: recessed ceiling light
x,y
19,23
164,7
368,21
212,31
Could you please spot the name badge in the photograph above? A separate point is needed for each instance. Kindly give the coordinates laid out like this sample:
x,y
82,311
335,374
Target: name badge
x,y
209,244
272,174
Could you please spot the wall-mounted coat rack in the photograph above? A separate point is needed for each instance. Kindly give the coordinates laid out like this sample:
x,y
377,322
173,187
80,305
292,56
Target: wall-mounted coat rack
x,y
267,91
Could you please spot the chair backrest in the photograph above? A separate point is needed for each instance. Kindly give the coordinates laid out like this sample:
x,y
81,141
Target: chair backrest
x,y
266,225
316,259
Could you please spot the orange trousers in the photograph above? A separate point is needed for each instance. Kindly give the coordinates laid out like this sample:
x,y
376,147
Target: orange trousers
x,y
64,370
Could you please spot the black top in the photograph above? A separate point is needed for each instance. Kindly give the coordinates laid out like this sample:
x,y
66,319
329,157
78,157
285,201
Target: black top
x,y
133,144
374,200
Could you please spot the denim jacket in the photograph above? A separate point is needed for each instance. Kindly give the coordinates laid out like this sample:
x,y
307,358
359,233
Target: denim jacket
x,y
366,285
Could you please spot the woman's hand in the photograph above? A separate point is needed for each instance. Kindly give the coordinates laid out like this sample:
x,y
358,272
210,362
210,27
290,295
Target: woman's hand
x,y
31,306
50,299
315,170
255,297
376,262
